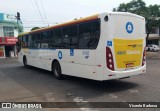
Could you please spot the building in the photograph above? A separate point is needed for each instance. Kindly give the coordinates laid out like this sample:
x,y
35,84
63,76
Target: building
x,y
154,36
10,27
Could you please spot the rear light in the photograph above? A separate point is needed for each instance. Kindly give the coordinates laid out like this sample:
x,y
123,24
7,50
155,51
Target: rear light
x,y
109,59
111,75
144,57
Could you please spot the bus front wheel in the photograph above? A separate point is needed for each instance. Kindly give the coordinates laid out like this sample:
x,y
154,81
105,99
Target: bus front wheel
x,y
25,62
56,69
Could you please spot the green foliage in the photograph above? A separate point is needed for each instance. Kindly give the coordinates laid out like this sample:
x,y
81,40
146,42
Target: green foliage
x,y
151,13
35,28
135,6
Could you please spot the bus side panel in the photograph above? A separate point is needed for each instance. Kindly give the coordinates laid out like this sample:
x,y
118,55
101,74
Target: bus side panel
x,y
78,70
24,53
33,58
46,57
101,50
80,64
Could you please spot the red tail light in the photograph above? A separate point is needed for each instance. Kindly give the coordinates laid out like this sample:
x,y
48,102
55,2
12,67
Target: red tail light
x,y
144,57
109,59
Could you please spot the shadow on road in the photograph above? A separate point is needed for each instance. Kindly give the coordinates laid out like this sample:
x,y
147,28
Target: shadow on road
x,y
40,81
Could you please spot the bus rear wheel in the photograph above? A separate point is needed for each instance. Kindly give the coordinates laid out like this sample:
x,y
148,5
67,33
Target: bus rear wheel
x,y
56,69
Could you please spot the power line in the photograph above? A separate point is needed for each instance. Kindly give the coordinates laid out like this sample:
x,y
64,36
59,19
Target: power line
x,y
39,11
40,22
34,7
34,22
44,11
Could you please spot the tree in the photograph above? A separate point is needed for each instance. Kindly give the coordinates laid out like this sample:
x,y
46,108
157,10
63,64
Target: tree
x,y
153,18
35,28
151,13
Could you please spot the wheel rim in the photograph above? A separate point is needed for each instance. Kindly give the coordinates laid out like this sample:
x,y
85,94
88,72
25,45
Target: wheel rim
x,y
56,71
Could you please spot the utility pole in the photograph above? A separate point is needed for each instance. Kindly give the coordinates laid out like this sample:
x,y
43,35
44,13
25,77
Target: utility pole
x,y
18,19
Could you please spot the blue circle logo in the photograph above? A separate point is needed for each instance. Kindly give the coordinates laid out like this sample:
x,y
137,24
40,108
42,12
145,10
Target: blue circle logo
x,y
60,55
129,27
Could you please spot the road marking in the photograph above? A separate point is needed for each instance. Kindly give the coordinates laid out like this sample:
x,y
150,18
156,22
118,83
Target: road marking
x,y
113,96
69,94
133,91
80,99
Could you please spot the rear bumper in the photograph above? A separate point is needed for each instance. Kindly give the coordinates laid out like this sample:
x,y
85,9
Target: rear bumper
x,y
109,75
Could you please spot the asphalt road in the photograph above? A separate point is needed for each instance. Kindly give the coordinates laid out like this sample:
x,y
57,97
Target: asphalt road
x,y
20,84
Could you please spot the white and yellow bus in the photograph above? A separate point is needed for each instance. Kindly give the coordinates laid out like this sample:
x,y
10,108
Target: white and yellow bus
x,y
100,47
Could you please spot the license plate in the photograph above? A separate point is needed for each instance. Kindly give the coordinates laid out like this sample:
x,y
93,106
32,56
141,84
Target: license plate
x,y
128,65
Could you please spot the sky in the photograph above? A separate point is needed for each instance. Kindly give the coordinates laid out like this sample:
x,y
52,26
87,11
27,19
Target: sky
x,y
41,13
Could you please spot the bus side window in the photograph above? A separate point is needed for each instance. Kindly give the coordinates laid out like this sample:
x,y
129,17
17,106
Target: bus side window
x,y
45,39
37,41
31,41
56,38
89,34
25,41
70,37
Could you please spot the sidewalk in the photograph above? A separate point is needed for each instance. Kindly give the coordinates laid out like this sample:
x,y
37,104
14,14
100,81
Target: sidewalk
x,y
153,54
8,60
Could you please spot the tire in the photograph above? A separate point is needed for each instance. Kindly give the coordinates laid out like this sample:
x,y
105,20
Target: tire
x,y
56,69
25,62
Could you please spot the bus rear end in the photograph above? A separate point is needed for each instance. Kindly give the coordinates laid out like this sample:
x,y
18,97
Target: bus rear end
x,y
125,45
